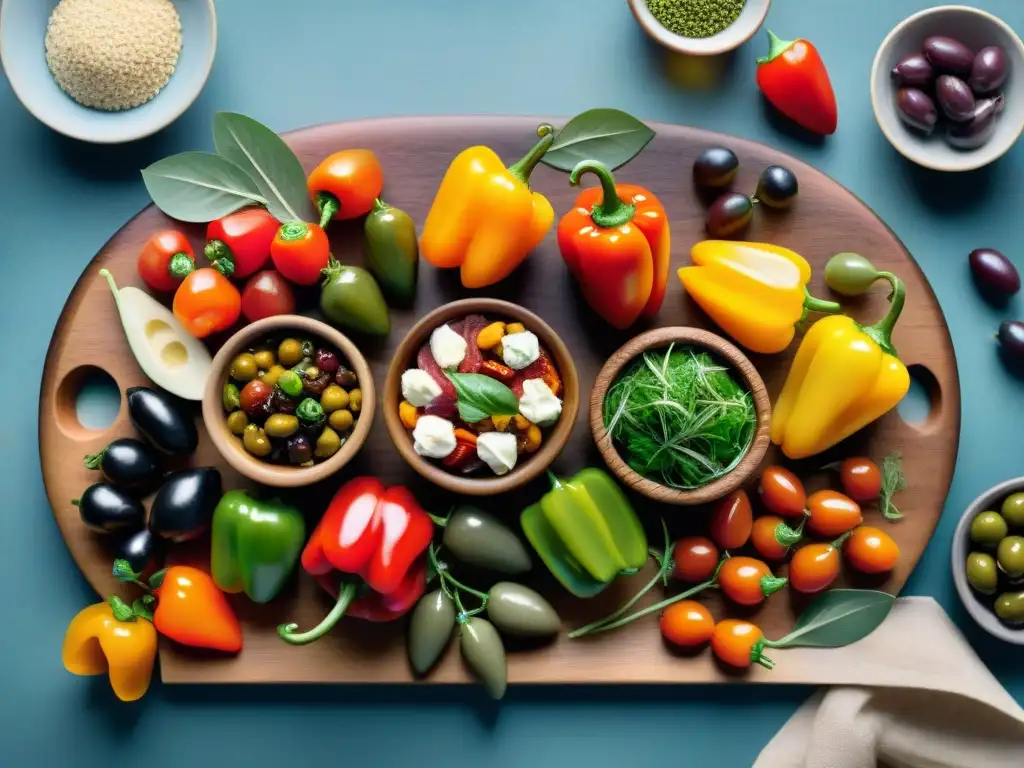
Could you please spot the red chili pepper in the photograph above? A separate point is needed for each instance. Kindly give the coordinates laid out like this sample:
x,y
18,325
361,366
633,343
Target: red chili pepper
x,y
238,244
367,553
794,79
165,260
463,454
496,370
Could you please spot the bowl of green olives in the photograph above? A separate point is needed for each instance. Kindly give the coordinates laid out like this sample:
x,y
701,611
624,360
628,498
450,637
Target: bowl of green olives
x,y
988,560
289,401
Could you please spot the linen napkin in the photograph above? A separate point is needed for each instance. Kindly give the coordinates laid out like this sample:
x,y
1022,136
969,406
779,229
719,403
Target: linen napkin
x,y
912,694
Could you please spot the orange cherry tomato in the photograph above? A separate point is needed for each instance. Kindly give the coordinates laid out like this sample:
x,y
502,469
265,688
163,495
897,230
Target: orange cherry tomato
x,y
747,581
165,260
732,520
813,568
206,302
861,479
870,550
300,252
762,536
687,624
739,644
782,492
832,513
696,558
345,184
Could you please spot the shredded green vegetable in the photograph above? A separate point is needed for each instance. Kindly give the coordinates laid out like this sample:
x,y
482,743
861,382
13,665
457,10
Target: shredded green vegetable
x,y
679,418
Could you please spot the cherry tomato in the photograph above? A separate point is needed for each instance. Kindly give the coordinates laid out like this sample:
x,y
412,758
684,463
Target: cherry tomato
x,y
253,396
782,492
870,550
747,581
238,244
696,558
832,513
265,295
687,624
762,536
861,479
813,568
739,644
300,252
345,184
206,302
165,260
732,520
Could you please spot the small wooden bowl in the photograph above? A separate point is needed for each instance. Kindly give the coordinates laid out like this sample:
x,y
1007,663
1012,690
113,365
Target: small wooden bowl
x,y
230,446
682,336
730,38
554,440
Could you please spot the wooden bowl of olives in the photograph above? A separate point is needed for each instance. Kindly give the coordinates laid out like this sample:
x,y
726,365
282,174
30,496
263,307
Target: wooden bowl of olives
x,y
988,560
289,401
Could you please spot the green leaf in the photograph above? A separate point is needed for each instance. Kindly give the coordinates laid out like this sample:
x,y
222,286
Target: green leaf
x,y
893,481
199,186
123,571
610,136
263,155
157,578
838,618
140,609
122,611
147,600
480,396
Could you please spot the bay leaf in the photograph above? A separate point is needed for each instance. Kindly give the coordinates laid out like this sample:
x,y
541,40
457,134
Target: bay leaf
x,y
837,618
610,136
199,186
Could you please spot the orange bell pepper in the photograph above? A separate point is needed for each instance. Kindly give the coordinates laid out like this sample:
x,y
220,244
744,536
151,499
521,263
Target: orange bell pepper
x,y
345,184
619,251
191,610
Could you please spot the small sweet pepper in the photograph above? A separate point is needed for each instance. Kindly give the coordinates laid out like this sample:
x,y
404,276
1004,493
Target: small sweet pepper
x,y
794,79
238,245
586,532
616,243
485,219
191,610
756,292
254,545
844,376
367,552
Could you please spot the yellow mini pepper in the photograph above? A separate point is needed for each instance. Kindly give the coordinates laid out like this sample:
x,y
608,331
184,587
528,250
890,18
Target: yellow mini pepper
x,y
756,292
485,219
844,376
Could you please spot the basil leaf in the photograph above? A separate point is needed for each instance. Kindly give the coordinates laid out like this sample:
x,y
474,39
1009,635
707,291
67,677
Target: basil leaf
x,y
838,618
199,186
610,136
274,168
480,396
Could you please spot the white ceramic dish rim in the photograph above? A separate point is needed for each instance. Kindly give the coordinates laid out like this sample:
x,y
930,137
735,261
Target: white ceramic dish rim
x,y
730,38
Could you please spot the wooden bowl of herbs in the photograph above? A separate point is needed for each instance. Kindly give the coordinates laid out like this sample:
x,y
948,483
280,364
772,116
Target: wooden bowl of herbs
x,y
680,415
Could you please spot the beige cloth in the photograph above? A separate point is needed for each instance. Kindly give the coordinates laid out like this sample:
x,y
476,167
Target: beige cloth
x,y
912,694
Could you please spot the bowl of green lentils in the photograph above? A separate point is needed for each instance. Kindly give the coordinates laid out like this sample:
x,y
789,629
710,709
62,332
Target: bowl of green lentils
x,y
700,27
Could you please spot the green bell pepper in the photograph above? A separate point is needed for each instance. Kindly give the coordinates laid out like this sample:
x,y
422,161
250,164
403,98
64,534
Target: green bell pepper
x,y
255,544
586,532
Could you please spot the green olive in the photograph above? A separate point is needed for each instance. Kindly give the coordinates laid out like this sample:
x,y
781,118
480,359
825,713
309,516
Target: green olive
x,y
1010,555
328,443
237,422
256,441
988,528
850,274
982,573
355,400
290,383
1013,510
265,359
243,367
1009,607
289,352
272,375
281,425
341,420
229,397
334,398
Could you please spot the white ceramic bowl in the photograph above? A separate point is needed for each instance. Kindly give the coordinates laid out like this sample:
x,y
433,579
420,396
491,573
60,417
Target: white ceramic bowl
x,y
22,54
975,29
733,36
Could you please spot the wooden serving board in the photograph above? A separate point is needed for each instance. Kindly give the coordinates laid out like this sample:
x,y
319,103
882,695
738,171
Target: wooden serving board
x,y
415,153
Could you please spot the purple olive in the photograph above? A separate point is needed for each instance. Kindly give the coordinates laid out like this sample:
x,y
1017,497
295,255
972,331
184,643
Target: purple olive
x,y
715,167
989,70
916,109
1011,337
994,271
979,129
913,71
955,99
948,55
729,215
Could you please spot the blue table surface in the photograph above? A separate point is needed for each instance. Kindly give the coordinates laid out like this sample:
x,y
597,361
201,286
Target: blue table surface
x,y
300,63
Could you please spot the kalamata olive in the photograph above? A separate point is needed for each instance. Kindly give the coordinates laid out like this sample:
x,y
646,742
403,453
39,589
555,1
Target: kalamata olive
x,y
913,71
300,449
139,549
327,361
916,109
314,386
105,508
1011,337
979,129
715,167
982,573
988,528
777,187
989,70
729,215
948,55
994,271
955,98
345,378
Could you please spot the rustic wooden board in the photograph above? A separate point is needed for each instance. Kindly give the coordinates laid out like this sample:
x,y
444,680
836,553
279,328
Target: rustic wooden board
x,y
415,152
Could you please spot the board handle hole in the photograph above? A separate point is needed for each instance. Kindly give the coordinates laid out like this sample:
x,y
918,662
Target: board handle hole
x,y
88,401
920,406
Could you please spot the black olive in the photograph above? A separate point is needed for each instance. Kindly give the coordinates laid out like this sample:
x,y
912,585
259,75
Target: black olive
x,y
729,215
1011,337
777,187
184,505
161,420
106,509
715,167
127,463
139,549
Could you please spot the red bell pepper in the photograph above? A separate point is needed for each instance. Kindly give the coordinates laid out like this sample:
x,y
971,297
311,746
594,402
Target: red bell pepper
x,y
616,243
367,552
238,245
794,79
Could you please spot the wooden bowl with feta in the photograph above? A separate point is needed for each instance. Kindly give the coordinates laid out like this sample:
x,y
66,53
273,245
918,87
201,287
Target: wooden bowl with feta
x,y
481,396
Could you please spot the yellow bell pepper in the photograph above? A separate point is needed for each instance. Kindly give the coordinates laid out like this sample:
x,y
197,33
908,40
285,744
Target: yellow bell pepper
x,y
124,645
756,292
844,376
485,219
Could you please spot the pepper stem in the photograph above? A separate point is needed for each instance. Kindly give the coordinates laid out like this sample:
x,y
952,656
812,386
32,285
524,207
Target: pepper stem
x,y
776,47
104,273
93,461
881,332
378,206
772,584
346,595
611,211
329,205
181,265
757,656
524,167
812,304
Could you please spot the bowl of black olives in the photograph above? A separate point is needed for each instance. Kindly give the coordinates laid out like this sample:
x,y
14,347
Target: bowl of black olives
x,y
988,560
946,85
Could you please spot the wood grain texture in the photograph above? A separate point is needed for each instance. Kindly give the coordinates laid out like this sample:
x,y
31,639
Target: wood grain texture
x,y
415,153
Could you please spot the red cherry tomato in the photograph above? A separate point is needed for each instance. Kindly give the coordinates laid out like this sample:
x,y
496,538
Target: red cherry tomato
x,y
253,396
696,558
206,302
239,244
832,513
782,492
265,295
762,536
165,260
732,520
861,479
813,568
739,644
300,252
871,550
747,581
687,624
